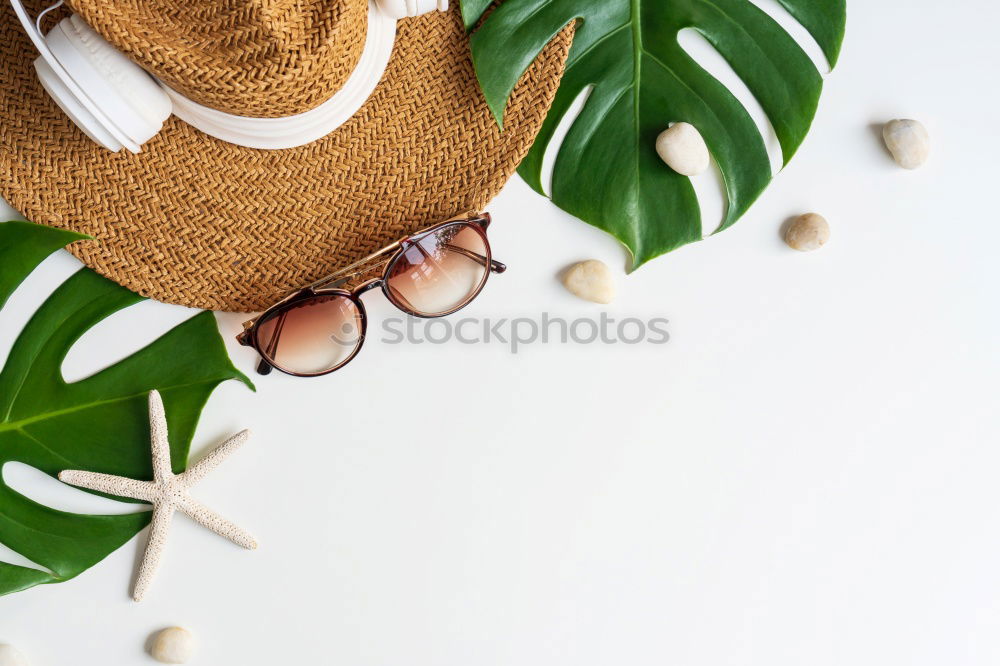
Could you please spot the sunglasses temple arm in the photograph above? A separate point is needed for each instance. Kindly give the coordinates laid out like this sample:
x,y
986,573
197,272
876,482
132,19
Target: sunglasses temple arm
x,y
495,266
264,367
345,272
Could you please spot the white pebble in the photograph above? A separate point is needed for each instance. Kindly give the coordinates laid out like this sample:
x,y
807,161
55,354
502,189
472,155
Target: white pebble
x,y
807,232
9,656
908,141
590,280
683,149
173,646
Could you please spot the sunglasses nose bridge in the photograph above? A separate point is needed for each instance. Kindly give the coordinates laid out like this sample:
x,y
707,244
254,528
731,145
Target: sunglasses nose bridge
x,y
375,283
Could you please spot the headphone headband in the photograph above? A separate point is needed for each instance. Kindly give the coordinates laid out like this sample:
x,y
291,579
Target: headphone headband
x,y
306,127
105,115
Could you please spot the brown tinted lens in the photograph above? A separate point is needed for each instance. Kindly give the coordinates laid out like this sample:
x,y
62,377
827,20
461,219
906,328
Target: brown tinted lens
x,y
311,336
440,271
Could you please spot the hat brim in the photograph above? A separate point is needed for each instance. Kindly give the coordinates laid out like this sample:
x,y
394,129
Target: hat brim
x,y
199,222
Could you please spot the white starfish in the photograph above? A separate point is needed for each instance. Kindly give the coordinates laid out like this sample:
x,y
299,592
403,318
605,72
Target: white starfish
x,y
167,492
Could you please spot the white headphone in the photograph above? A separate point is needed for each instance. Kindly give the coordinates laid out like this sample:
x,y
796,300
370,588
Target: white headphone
x,y
119,105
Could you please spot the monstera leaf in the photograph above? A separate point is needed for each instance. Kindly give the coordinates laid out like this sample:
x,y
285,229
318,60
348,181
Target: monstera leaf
x,y
626,52
99,423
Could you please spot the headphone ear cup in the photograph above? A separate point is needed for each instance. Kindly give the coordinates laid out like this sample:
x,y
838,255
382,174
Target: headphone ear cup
x,y
123,91
71,106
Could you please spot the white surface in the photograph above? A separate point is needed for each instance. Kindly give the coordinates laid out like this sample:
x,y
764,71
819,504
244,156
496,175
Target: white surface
x,y
805,474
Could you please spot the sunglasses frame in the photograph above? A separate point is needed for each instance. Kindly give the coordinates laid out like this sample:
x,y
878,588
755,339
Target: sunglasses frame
x,y
330,286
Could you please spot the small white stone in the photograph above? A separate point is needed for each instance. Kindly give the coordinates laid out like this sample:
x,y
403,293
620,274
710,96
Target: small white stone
x,y
683,149
173,646
590,280
908,141
807,232
9,656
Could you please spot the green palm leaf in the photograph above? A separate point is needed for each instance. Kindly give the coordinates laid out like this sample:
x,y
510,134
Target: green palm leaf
x,y
627,53
99,423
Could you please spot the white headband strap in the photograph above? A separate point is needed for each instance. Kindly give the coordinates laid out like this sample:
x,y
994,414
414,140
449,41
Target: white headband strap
x,y
306,127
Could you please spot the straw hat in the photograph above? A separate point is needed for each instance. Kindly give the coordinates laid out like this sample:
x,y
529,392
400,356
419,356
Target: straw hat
x,y
205,223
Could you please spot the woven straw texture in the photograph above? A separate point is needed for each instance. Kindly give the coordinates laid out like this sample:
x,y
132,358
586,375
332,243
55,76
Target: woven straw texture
x,y
259,58
203,223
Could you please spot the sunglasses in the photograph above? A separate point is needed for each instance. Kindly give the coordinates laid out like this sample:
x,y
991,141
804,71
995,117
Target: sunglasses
x,y
320,328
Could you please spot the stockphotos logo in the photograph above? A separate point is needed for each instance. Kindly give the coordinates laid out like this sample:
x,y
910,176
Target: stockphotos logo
x,y
519,332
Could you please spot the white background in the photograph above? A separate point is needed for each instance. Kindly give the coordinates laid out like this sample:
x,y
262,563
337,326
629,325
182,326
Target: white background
x,y
805,474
